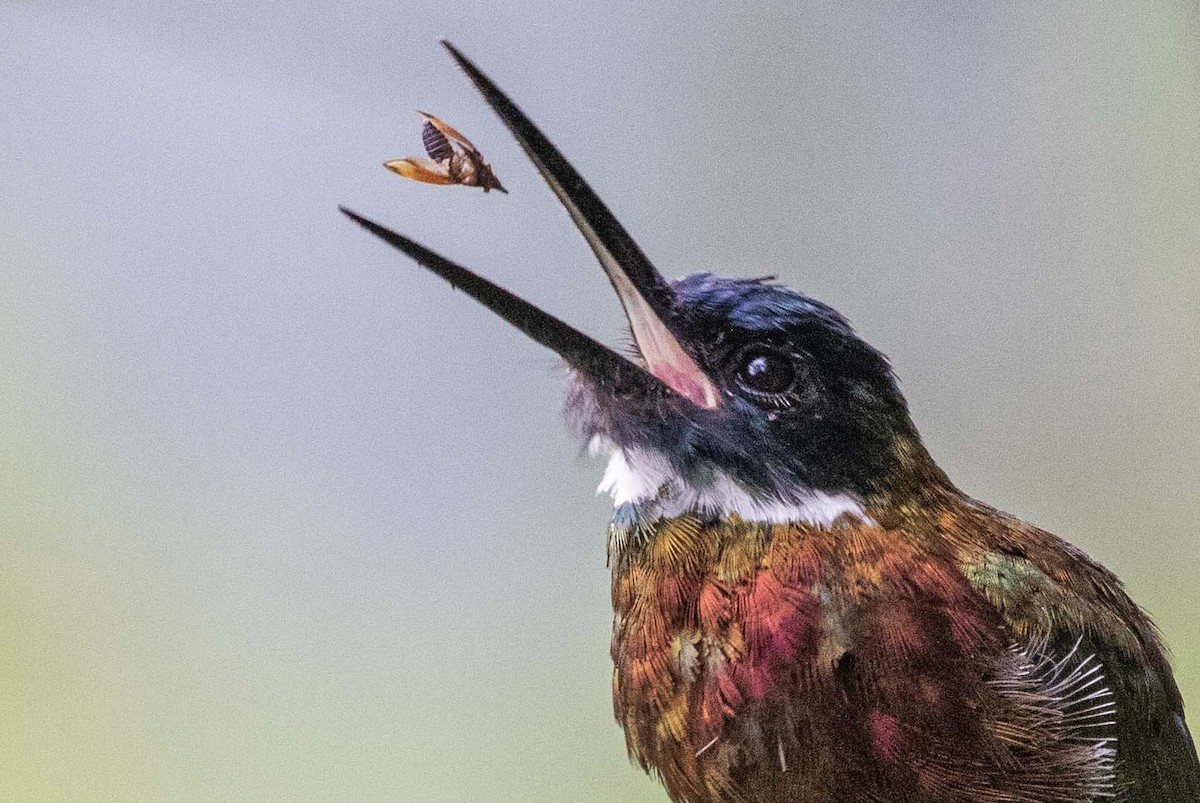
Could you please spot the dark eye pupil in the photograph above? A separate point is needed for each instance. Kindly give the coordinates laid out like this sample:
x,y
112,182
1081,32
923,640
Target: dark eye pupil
x,y
767,373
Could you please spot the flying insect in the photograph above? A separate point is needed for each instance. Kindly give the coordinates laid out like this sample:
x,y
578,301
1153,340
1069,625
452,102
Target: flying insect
x,y
453,159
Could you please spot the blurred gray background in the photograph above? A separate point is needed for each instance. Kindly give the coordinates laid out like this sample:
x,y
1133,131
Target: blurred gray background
x,y
283,518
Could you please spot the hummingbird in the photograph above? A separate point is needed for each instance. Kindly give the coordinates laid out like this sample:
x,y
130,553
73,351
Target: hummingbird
x,y
806,608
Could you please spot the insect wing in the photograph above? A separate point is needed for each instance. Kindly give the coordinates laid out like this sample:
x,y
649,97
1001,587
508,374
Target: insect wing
x,y
419,170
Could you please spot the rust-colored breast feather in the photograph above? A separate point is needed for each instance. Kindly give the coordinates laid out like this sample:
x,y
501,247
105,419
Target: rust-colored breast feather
x,y
857,663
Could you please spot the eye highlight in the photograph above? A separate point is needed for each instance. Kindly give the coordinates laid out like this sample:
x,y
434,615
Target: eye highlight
x,y
763,371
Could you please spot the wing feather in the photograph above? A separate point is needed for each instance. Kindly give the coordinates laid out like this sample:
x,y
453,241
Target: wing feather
x,y
1055,600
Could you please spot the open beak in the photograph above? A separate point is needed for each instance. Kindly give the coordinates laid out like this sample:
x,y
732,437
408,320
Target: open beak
x,y
644,294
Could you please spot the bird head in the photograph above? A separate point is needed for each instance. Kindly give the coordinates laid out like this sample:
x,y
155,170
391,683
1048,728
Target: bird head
x,y
740,395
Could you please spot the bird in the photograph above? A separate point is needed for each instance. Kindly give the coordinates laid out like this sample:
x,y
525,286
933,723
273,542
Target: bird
x,y
805,607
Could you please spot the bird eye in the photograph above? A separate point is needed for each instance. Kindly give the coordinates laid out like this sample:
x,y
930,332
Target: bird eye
x,y
764,371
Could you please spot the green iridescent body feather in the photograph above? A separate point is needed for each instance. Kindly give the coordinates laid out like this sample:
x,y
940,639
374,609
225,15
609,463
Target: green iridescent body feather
x,y
958,655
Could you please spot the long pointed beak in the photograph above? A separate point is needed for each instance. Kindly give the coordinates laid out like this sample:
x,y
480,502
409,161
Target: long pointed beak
x,y
644,294
597,360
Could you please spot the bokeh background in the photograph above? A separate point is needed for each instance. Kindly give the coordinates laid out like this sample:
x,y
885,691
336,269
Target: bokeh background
x,y
283,518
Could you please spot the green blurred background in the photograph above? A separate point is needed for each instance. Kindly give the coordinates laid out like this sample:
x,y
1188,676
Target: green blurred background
x,y
282,518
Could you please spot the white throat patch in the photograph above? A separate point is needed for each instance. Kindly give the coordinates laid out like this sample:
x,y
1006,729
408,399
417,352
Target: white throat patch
x,y
644,477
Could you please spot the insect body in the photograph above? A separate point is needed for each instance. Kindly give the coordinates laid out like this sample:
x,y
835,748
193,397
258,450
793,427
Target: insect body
x,y
453,159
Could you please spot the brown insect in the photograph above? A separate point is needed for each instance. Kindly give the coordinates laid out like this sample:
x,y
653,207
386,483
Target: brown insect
x,y
452,159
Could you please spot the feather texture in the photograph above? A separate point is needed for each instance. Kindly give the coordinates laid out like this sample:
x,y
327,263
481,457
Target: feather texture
x,y
962,656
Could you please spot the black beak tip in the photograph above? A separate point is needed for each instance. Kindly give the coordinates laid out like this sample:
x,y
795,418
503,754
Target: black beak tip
x,y
481,81
387,235
454,51
357,218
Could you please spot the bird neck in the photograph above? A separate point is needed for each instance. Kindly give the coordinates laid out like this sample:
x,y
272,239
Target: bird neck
x,y
646,486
